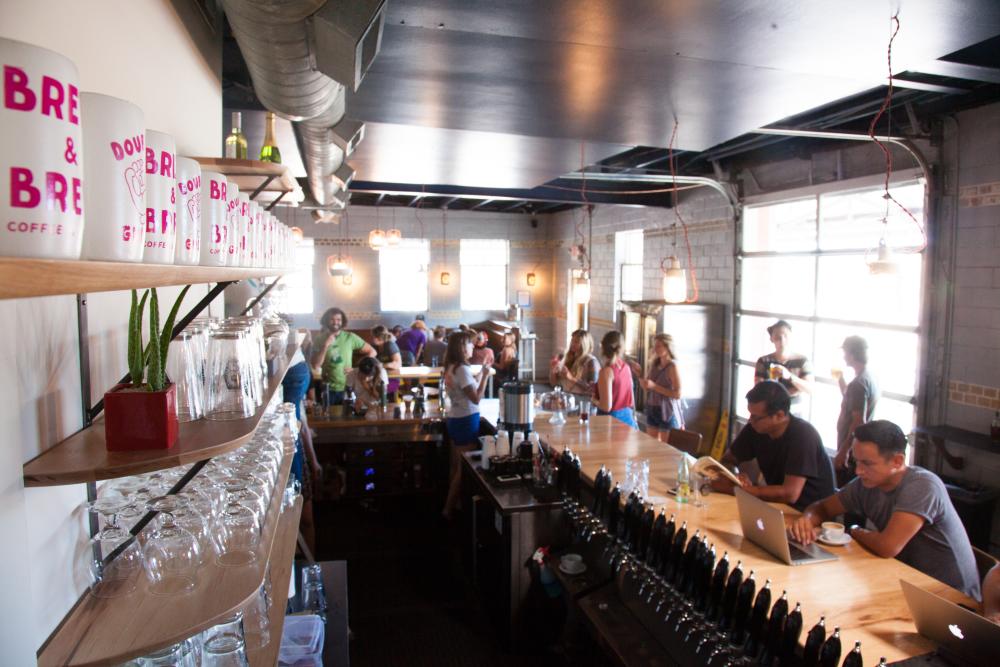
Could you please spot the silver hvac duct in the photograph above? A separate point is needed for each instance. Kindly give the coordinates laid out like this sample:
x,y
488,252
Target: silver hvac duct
x,y
274,38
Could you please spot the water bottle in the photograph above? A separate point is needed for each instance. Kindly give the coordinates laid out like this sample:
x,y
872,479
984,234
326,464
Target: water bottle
x,y
683,480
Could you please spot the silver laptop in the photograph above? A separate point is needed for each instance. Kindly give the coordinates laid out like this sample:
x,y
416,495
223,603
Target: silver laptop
x,y
964,637
764,525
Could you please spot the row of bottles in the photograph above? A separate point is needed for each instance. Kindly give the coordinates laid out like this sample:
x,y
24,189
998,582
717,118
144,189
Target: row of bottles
x,y
236,142
708,603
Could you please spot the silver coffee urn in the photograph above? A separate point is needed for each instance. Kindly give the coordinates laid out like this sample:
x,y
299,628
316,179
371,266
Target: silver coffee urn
x,y
517,407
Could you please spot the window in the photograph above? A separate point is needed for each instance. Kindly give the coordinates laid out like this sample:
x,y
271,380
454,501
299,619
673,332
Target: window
x,y
297,285
483,282
805,261
628,265
403,275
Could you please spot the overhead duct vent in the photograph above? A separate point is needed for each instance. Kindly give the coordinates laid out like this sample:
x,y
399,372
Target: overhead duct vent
x,y
347,134
348,36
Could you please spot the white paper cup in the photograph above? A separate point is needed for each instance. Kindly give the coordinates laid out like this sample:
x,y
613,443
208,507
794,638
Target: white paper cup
x,y
215,231
114,192
161,198
254,222
41,163
188,212
237,225
244,233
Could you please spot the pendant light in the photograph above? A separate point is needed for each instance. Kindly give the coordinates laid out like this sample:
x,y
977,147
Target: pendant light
x,y
884,262
296,234
376,237
581,288
581,283
393,236
445,275
674,280
340,264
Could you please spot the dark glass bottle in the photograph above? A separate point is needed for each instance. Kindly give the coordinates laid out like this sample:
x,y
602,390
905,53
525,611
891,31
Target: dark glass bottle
x,y
790,639
705,567
757,626
741,612
814,640
729,596
829,653
598,490
627,518
667,544
775,628
576,468
854,658
614,510
718,585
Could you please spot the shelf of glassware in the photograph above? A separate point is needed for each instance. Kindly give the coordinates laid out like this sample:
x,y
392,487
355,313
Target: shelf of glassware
x,y
280,572
22,277
83,457
104,632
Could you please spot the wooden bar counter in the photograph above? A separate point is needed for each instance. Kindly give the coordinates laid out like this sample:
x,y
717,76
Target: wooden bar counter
x,y
859,592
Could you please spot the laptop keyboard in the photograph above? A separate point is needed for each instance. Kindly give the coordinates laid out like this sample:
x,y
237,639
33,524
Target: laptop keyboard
x,y
797,553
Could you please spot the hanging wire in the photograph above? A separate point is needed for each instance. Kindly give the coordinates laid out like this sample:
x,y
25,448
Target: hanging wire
x,y
680,218
886,104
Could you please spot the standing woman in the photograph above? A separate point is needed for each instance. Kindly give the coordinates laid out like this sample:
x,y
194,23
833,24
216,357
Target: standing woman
x,y
663,389
577,372
465,391
613,392
388,354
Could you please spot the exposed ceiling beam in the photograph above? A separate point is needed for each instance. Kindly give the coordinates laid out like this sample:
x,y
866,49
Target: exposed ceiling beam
x,y
513,207
931,87
485,202
960,71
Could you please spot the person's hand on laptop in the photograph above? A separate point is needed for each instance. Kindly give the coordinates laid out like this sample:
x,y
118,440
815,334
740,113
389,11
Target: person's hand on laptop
x,y
803,529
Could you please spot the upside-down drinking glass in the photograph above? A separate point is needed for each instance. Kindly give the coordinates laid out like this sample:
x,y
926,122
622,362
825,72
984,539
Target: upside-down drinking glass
x,y
229,395
171,554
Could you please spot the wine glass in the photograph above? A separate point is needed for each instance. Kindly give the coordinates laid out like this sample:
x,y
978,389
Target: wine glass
x,y
113,577
109,507
171,554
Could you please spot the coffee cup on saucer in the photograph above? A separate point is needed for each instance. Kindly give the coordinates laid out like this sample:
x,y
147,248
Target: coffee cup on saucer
x,y
572,564
832,531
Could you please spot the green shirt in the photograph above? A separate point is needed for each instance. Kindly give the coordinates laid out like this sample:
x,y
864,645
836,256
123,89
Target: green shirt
x,y
338,359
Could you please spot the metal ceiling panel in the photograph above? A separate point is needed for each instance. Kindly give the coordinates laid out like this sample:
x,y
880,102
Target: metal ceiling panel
x,y
414,154
620,72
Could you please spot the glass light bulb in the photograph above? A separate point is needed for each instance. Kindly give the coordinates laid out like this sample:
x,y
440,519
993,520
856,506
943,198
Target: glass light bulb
x,y
376,239
581,290
674,282
393,237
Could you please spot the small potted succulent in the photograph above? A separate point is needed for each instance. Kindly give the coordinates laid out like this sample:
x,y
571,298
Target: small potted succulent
x,y
142,414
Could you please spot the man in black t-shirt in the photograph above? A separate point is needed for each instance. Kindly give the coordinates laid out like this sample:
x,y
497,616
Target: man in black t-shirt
x,y
789,451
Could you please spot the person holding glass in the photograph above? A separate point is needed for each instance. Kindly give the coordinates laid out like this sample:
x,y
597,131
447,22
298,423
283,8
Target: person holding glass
x,y
388,354
435,348
613,391
482,353
465,391
789,368
577,372
663,390
332,356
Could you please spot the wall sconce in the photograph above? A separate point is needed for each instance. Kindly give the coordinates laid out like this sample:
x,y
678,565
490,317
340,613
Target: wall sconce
x,y
338,265
532,280
348,279
445,278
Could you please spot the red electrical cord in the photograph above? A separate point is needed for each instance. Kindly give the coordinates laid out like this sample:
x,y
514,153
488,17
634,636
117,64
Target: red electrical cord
x,y
680,218
885,150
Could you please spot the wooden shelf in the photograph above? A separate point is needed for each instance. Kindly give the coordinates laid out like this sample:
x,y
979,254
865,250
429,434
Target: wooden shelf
x,y
83,457
111,631
269,181
282,559
23,277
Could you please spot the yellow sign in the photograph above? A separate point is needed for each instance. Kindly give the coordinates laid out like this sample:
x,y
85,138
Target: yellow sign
x,y
719,443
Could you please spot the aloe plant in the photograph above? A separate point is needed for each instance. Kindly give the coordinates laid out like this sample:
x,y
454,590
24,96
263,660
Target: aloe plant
x,y
150,361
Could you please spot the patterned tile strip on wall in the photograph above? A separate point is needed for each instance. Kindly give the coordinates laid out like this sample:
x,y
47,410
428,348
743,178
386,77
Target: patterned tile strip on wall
x,y
984,194
974,395
437,243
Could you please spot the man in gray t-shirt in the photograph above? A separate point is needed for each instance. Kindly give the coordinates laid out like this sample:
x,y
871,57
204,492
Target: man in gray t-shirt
x,y
909,506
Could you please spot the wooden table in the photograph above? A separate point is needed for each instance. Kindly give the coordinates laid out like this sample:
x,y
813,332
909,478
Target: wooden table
x,y
860,592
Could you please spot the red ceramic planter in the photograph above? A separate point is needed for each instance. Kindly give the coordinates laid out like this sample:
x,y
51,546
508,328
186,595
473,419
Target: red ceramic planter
x,y
137,420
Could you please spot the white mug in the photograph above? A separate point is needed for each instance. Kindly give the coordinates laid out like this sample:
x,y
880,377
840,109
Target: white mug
x,y
246,221
161,198
188,212
254,222
237,225
114,168
215,230
41,164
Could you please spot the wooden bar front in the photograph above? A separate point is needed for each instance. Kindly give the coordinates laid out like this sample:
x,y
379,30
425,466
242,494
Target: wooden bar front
x,y
860,592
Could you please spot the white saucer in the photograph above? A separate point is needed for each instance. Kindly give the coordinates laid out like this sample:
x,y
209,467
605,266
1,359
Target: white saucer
x,y
575,571
844,539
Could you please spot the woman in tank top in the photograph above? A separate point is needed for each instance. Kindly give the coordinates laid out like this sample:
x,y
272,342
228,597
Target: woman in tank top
x,y
613,391
663,390
577,372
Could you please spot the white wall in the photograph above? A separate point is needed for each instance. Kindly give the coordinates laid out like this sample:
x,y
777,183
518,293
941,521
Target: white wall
x,y
138,50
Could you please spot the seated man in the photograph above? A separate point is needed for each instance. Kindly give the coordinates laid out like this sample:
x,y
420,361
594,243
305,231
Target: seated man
x,y
913,515
789,451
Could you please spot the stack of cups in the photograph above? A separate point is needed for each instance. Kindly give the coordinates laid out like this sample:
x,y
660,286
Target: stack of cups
x,y
215,222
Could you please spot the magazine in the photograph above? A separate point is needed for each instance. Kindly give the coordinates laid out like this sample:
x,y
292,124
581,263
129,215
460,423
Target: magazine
x,y
709,467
